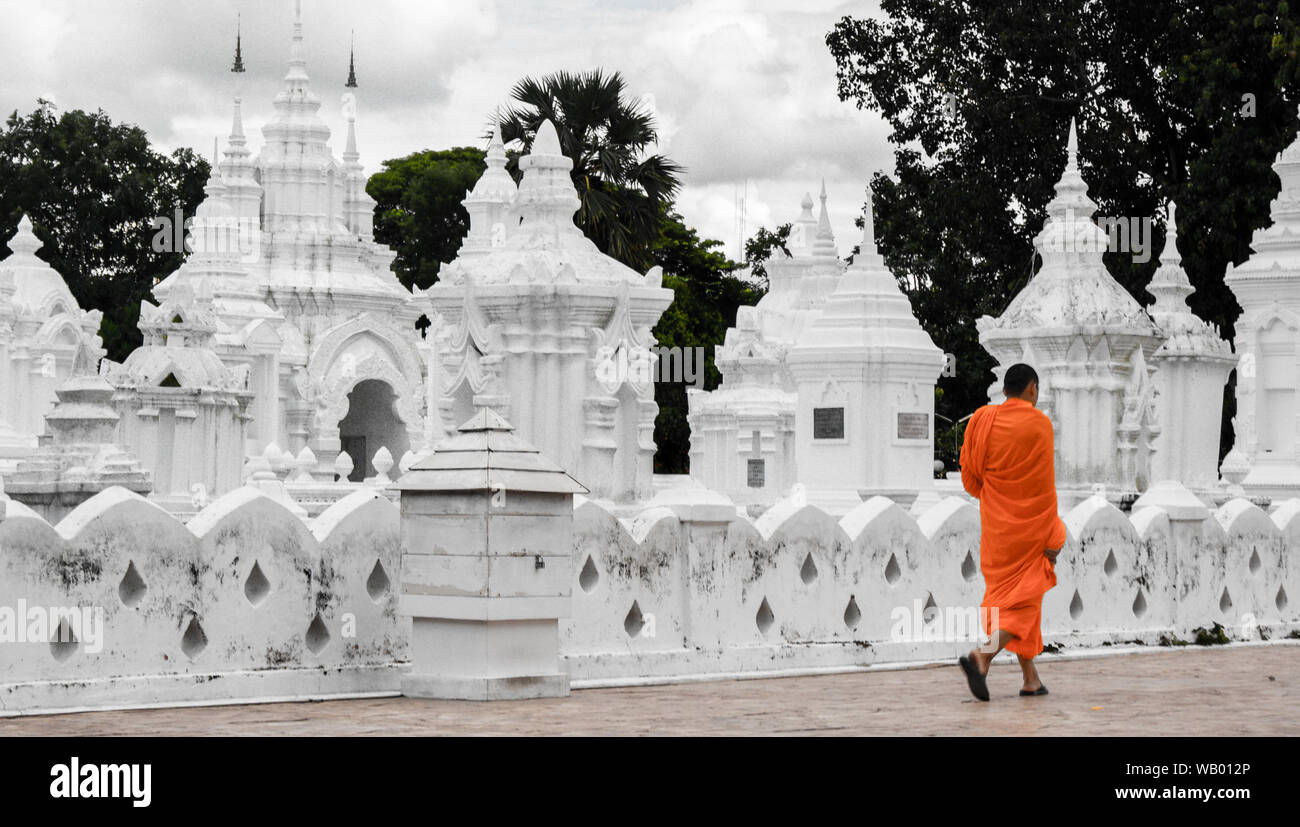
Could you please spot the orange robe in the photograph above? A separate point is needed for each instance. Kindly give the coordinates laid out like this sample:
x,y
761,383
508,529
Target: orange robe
x,y
1007,464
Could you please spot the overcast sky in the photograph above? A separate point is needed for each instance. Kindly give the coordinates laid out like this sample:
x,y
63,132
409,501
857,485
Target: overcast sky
x,y
744,90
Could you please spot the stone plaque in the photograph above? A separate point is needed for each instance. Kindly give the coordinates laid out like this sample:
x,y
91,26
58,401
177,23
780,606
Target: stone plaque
x,y
913,425
828,423
757,473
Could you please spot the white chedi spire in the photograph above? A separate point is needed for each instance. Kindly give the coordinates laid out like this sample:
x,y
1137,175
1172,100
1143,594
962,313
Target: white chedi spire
x,y
489,202
1073,285
297,74
1187,332
868,310
543,243
547,199
296,98
495,185
1070,233
824,245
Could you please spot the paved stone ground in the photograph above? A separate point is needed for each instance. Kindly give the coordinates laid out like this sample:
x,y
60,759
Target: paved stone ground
x,y
1253,690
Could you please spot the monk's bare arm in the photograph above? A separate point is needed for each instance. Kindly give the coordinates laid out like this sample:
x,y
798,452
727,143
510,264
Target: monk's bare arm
x,y
970,480
1057,541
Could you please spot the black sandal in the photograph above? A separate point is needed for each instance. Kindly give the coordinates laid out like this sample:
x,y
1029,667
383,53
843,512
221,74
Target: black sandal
x,y
1041,690
976,679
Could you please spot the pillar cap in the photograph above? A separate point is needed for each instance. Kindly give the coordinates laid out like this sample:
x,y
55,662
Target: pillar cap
x,y
486,455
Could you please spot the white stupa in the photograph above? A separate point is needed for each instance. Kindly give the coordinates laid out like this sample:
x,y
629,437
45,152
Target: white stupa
x,y
304,297
1267,286
540,328
42,328
865,372
743,433
1192,367
1090,343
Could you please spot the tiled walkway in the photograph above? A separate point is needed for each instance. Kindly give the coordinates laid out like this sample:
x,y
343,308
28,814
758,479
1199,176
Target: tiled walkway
x,y
1193,691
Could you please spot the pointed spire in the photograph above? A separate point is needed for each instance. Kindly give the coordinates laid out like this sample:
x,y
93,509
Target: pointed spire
x,y
868,252
1069,231
824,220
352,63
350,154
237,123
1186,332
1170,284
297,62
238,68
825,241
547,198
495,184
1170,254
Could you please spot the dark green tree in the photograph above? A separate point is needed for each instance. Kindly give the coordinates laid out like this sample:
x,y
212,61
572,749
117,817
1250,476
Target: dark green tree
x,y
623,187
1187,101
762,246
93,189
418,209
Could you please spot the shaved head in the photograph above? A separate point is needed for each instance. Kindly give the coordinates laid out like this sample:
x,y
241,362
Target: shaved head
x,y
1017,379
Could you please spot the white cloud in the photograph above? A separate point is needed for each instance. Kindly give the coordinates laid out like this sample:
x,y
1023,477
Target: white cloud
x,y
744,89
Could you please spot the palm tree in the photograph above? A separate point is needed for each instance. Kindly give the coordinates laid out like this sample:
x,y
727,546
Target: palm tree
x,y
622,187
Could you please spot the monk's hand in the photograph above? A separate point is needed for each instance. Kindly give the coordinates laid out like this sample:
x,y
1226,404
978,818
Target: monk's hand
x,y
1051,554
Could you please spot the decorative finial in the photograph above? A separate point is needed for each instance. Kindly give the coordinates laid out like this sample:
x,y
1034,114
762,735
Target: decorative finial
x,y
297,76
1170,254
546,141
352,63
1072,146
868,228
238,68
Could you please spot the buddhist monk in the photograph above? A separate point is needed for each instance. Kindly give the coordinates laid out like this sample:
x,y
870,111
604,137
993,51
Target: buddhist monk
x,y
1007,464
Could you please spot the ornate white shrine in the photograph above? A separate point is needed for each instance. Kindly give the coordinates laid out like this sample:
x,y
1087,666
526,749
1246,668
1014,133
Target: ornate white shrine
x,y
743,432
179,406
41,329
1091,344
865,372
1192,367
79,455
532,327
303,296
1267,286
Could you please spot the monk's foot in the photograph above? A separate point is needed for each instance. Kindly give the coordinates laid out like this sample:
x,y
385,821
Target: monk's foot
x,y
981,660
974,676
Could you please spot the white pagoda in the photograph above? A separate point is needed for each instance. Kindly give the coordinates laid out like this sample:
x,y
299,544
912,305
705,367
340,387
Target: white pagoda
x,y
1267,287
42,328
743,432
303,296
1192,367
536,325
1091,344
865,372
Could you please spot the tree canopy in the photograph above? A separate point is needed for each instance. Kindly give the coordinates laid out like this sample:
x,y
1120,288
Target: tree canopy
x,y
93,189
622,184
418,209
